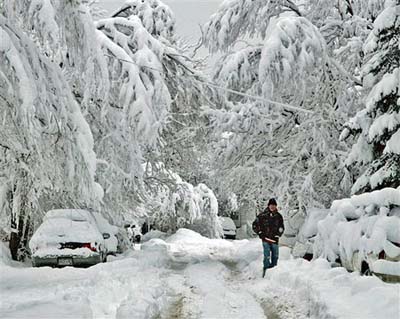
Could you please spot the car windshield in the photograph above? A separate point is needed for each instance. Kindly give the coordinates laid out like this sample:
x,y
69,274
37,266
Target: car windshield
x,y
227,223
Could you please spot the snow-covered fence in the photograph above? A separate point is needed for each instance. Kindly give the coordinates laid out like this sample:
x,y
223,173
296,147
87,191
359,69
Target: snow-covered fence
x,y
363,232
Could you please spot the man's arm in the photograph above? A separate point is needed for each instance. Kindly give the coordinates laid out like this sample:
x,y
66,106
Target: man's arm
x,y
281,227
256,226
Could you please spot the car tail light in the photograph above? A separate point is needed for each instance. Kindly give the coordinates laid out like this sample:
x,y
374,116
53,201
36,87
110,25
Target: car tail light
x,y
382,255
88,245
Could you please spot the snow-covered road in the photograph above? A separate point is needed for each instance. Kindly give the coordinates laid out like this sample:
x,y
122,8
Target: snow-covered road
x,y
189,276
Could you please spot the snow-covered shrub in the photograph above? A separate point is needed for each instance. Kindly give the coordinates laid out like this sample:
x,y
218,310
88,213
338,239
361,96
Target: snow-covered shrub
x,y
181,204
359,228
208,224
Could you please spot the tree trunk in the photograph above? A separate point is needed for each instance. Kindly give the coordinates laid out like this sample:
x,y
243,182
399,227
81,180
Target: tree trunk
x,y
20,218
14,236
19,237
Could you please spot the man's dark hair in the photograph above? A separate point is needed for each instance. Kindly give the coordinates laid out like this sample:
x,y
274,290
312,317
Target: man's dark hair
x,y
272,201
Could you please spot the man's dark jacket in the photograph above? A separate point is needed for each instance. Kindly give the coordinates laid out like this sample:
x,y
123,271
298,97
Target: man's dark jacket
x,y
269,225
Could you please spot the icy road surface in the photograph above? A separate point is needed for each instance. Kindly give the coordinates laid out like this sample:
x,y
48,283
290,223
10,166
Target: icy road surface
x,y
189,276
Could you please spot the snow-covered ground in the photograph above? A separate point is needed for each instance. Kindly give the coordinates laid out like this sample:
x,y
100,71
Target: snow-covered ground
x,y
189,276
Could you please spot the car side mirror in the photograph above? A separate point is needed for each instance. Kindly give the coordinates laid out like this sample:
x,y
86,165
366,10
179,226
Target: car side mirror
x,y
106,235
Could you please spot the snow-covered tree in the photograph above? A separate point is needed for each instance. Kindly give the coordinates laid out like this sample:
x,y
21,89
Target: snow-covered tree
x,y
153,88
63,31
377,126
138,103
279,135
47,155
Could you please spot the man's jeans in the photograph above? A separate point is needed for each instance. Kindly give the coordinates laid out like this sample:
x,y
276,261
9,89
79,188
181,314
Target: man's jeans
x,y
271,254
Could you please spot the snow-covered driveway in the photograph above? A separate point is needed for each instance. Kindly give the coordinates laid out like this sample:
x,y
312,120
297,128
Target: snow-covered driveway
x,y
189,276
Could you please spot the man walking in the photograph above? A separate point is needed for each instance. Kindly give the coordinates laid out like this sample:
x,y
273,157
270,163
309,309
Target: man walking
x,y
269,227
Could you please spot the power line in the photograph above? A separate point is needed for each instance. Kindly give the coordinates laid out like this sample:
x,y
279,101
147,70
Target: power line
x,y
258,98
254,97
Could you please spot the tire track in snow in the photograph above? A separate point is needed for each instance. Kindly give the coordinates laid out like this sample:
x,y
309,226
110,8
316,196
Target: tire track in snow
x,y
215,297
275,303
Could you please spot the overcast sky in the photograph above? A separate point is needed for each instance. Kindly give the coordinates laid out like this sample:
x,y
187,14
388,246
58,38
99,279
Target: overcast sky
x,y
189,14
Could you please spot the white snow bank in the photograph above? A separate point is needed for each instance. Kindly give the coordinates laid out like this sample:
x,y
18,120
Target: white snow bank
x,y
153,284
184,235
154,234
328,292
187,246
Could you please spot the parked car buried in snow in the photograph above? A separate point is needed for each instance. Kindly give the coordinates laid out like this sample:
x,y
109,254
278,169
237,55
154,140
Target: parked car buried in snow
x,y
228,228
362,232
68,237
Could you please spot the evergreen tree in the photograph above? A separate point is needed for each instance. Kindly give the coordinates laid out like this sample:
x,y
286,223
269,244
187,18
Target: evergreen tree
x,y
377,126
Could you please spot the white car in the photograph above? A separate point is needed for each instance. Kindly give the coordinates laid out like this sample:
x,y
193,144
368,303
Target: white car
x,y
69,237
228,227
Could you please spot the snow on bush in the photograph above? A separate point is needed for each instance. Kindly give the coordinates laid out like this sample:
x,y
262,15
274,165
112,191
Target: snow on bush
x,y
359,228
183,205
